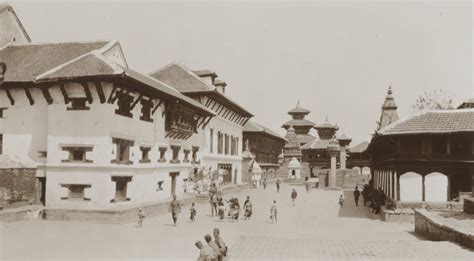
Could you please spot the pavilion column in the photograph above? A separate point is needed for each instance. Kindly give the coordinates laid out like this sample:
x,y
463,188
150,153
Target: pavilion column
x,y
423,188
395,186
391,185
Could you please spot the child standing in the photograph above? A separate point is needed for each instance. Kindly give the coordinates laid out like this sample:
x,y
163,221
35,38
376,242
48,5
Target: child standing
x,y
273,212
141,216
192,212
341,200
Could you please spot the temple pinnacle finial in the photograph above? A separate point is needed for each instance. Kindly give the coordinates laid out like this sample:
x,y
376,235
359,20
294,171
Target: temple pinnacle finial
x,y
389,92
298,104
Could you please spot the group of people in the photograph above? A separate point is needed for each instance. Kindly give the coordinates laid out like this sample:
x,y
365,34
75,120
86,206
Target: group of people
x,y
214,250
277,183
174,209
377,200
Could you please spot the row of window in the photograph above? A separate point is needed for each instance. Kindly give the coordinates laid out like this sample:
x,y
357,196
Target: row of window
x,y
77,191
226,144
122,155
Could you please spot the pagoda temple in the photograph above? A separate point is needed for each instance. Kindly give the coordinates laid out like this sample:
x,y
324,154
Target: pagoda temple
x,y
300,124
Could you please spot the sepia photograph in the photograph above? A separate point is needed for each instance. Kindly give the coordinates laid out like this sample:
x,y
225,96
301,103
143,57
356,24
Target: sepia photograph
x,y
236,130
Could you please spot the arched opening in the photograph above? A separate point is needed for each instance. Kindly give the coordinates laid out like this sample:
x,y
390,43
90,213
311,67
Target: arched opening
x,y
293,173
357,170
436,187
411,187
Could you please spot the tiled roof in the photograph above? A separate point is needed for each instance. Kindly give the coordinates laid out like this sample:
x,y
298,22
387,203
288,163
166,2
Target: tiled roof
x,y
298,122
359,148
91,64
251,126
305,138
187,82
27,61
298,110
316,145
326,125
183,79
204,73
467,104
438,121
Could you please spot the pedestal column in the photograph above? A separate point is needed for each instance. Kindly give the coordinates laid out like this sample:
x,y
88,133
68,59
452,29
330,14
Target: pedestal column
x,y
332,173
343,157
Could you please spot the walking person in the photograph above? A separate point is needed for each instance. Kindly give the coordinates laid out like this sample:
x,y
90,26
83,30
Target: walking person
x,y
247,208
356,196
214,246
175,208
214,202
341,200
278,185
220,242
141,216
220,209
293,196
192,212
273,212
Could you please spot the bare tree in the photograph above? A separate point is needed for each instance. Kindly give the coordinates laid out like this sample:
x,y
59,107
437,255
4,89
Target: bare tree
x,y
434,100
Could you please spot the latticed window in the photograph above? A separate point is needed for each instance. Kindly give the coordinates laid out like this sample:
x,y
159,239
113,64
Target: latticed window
x,y
124,105
122,154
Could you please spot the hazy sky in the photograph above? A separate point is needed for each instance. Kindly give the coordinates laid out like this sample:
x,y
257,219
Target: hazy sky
x,y
338,58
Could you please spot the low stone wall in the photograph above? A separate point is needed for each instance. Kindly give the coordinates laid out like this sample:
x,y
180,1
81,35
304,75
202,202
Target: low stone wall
x,y
129,214
398,215
21,213
436,231
469,205
450,205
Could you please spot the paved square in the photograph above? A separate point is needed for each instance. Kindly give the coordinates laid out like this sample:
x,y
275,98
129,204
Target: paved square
x,y
316,228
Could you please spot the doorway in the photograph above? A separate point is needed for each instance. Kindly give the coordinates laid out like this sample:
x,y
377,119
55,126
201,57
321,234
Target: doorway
x,y
42,190
173,176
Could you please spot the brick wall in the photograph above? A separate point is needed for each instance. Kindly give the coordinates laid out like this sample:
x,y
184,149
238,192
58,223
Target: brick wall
x,y
17,187
469,205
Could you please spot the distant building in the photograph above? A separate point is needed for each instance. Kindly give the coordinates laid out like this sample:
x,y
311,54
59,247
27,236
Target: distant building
x,y
265,145
222,135
300,124
426,157
469,104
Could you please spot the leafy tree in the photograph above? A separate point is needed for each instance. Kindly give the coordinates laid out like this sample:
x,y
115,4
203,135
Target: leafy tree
x,y
434,100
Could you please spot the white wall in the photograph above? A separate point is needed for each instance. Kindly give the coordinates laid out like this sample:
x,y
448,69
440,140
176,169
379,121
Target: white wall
x,y
411,187
10,29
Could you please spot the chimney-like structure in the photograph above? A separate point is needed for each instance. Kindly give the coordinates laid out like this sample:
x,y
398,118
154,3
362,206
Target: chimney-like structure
x,y
343,143
207,75
220,85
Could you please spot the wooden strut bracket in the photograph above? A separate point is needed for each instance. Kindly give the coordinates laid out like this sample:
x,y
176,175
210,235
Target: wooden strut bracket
x,y
87,91
10,97
28,95
207,122
111,95
46,94
100,91
136,101
156,107
63,91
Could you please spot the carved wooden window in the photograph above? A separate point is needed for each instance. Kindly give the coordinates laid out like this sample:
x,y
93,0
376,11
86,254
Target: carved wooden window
x,y
186,155
145,154
160,185
180,120
162,154
194,156
147,106
121,188
78,104
77,154
122,155
76,192
2,112
175,150
124,105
